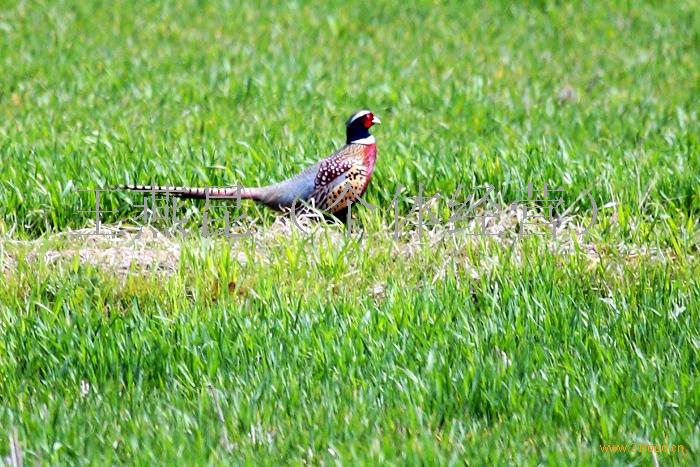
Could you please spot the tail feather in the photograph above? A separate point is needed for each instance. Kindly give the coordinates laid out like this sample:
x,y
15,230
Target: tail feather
x,y
195,193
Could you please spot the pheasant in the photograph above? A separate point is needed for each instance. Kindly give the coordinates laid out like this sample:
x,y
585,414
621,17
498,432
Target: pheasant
x,y
331,184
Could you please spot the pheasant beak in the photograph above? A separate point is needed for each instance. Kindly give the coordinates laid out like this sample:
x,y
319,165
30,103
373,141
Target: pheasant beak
x,y
375,120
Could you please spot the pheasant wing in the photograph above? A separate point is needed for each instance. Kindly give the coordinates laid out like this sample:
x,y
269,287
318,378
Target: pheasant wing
x,y
340,179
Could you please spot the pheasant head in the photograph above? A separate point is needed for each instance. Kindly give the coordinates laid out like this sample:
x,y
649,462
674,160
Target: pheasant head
x,y
358,126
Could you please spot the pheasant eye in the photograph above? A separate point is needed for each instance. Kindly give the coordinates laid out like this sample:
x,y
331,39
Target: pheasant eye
x,y
368,120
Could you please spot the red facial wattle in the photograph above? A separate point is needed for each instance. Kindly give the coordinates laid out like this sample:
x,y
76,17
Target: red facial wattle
x,y
368,120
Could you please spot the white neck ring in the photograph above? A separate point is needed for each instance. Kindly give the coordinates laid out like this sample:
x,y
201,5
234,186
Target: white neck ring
x,y
368,140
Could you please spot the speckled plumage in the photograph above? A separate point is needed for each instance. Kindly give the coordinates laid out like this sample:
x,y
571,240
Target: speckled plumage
x,y
331,184
344,176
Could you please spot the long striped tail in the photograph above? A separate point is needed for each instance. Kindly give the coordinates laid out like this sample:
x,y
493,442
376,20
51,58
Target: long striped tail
x,y
195,193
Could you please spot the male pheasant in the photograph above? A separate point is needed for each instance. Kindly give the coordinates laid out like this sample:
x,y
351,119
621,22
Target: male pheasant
x,y
330,185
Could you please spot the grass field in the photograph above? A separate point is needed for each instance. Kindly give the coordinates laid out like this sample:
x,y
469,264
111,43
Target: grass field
x,y
327,348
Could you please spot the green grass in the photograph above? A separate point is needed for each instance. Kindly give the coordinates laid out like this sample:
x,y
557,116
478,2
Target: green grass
x,y
365,350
